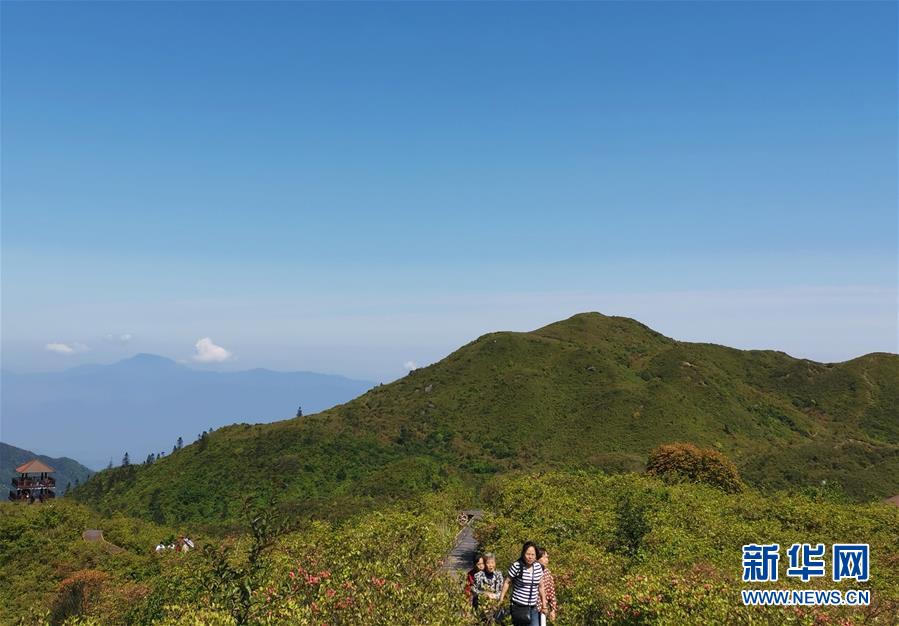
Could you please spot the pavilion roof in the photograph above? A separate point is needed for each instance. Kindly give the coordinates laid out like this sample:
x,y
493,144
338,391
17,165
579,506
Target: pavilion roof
x,y
34,466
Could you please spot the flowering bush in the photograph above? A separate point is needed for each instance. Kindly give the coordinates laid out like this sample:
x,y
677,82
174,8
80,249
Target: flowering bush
x,y
686,462
77,593
377,568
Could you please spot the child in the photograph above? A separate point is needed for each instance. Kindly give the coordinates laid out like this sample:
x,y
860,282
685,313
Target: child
x,y
549,585
488,582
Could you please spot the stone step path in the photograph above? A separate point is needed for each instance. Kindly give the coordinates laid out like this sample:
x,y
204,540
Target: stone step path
x,y
96,536
460,557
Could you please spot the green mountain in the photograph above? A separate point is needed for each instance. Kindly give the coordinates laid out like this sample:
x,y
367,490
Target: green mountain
x,y
68,471
590,391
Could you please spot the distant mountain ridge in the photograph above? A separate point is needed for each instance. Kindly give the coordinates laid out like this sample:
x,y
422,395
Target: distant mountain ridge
x,y
68,471
144,403
589,391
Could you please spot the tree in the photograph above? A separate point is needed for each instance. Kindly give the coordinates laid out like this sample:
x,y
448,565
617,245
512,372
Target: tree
x,y
150,459
300,411
126,460
233,582
154,507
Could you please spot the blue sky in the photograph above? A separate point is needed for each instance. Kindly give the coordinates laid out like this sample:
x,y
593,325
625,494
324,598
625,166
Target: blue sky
x,y
352,187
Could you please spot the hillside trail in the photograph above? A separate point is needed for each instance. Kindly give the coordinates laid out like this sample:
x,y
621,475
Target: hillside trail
x,y
96,536
460,557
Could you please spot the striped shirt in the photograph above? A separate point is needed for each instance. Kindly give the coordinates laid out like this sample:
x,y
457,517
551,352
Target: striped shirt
x,y
525,583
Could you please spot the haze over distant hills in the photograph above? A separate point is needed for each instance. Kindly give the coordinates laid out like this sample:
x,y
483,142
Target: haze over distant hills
x,y
95,413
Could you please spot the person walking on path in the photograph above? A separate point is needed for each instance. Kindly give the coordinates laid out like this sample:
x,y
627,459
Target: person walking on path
x,y
477,566
487,585
547,610
525,579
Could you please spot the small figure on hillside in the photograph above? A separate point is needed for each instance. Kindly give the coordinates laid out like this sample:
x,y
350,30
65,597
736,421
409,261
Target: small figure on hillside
x,y
477,566
550,605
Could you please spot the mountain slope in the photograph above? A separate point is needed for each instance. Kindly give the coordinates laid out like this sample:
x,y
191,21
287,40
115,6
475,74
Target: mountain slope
x,y
144,403
68,471
589,391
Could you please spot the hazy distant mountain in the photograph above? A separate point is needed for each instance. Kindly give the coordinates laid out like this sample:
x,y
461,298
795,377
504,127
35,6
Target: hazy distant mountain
x,y
67,470
144,403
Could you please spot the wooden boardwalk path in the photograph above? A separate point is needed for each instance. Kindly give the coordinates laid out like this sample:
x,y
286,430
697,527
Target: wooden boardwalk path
x,y
460,557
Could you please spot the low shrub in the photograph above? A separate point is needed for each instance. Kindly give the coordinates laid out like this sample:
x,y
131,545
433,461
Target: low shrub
x,y
684,462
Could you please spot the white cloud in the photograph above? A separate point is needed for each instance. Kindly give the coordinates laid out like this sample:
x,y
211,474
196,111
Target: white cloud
x,y
60,348
121,338
66,349
410,365
208,352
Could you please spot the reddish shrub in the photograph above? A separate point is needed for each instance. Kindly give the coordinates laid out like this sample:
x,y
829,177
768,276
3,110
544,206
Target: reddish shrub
x,y
684,462
77,594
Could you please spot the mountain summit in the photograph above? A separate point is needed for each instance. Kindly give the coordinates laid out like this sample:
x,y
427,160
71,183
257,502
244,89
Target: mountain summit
x,y
146,361
589,391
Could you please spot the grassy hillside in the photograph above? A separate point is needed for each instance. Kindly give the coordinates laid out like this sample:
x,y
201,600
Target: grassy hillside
x,y
590,391
68,471
624,549
318,573
44,556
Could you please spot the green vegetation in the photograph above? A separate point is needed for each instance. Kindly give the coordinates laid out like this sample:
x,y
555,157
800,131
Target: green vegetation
x,y
374,568
46,563
624,549
305,473
342,517
630,549
589,392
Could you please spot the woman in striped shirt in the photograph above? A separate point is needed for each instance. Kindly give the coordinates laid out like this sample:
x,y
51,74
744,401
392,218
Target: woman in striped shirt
x,y
525,578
